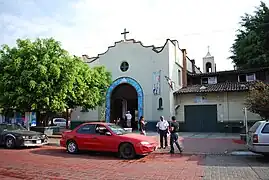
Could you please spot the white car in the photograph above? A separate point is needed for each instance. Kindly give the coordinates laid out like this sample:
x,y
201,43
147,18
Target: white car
x,y
61,122
258,138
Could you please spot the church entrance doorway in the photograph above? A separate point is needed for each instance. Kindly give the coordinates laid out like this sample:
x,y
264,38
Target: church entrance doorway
x,y
124,98
123,94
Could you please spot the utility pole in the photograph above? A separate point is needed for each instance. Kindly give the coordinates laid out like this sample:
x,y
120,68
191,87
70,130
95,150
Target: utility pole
x,y
246,123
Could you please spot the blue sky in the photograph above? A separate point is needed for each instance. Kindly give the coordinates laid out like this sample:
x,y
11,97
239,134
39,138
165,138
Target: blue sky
x,y
90,26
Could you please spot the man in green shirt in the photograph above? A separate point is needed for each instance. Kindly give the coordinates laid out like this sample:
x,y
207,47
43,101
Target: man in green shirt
x,y
174,128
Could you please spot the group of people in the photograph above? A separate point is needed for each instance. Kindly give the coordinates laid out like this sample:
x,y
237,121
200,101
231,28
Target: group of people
x,y
164,128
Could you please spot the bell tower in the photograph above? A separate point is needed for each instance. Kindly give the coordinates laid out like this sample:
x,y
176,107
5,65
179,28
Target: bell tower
x,y
209,63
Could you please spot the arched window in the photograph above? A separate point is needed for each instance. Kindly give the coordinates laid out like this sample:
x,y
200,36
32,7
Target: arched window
x,y
208,67
160,104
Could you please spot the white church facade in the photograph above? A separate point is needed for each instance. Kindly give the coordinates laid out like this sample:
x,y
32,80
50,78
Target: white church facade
x,y
144,80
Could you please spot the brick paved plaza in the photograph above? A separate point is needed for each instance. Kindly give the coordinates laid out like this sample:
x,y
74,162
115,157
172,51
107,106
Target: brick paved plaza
x,y
211,162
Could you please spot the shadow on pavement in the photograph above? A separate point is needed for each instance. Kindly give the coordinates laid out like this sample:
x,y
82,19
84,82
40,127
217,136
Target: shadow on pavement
x,y
235,161
60,152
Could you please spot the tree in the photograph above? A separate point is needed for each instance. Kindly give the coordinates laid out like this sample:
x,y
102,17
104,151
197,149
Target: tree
x,y
42,76
258,99
251,46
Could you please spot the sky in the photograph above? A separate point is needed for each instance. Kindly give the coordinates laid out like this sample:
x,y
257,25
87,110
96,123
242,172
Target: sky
x,y
90,26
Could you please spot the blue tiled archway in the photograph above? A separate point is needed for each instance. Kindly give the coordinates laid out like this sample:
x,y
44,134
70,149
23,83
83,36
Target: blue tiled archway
x,y
132,82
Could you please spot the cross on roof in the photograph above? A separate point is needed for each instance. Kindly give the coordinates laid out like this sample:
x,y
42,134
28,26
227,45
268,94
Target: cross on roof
x,y
124,33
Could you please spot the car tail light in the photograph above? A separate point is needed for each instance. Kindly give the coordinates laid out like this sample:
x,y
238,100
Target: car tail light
x,y
255,138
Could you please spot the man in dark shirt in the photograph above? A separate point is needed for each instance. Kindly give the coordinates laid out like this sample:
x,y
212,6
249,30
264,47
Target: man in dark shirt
x,y
174,128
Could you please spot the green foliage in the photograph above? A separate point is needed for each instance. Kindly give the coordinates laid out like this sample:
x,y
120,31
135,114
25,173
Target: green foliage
x,y
251,46
258,99
42,76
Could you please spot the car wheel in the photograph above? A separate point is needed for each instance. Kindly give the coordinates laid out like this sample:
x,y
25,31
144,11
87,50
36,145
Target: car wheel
x,y
72,147
127,151
10,142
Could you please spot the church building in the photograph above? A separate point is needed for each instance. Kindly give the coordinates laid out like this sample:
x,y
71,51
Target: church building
x,y
144,80
155,81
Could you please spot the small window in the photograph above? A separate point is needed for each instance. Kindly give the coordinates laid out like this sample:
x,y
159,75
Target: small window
x,y
265,129
204,80
242,78
212,80
87,129
247,77
160,104
250,77
124,66
179,77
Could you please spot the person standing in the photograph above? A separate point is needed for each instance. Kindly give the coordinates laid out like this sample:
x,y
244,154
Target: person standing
x,y
128,119
174,128
142,125
162,128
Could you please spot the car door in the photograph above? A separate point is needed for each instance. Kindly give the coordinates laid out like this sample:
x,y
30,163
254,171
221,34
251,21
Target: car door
x,y
105,142
264,137
84,137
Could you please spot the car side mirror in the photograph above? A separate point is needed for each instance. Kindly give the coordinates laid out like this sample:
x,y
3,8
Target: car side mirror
x,y
108,134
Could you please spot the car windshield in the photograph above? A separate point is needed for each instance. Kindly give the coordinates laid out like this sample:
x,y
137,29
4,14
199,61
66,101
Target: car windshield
x,y
117,129
11,127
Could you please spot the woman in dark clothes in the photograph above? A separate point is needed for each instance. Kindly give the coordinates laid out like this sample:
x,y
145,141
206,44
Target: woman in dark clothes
x,y
142,125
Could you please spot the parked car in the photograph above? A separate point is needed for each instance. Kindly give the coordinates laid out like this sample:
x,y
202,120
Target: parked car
x,y
258,138
61,122
15,135
107,137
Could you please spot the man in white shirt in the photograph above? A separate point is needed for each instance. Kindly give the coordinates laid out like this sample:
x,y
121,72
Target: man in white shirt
x,y
162,127
128,119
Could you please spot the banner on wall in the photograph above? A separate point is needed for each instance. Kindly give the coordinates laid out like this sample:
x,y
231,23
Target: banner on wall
x,y
157,83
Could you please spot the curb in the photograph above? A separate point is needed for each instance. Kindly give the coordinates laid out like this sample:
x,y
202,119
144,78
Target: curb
x,y
244,154
54,144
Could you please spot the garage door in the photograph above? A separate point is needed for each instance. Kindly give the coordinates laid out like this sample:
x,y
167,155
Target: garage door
x,y
201,118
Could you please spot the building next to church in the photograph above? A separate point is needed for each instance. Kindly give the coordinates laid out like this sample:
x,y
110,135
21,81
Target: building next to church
x,y
155,81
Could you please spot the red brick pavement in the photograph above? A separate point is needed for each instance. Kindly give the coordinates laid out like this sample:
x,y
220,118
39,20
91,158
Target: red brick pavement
x,y
54,163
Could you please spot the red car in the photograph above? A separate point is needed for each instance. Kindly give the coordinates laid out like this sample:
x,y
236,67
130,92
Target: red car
x,y
107,137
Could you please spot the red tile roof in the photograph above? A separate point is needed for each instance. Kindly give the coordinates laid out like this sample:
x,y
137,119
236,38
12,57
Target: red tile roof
x,y
219,87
